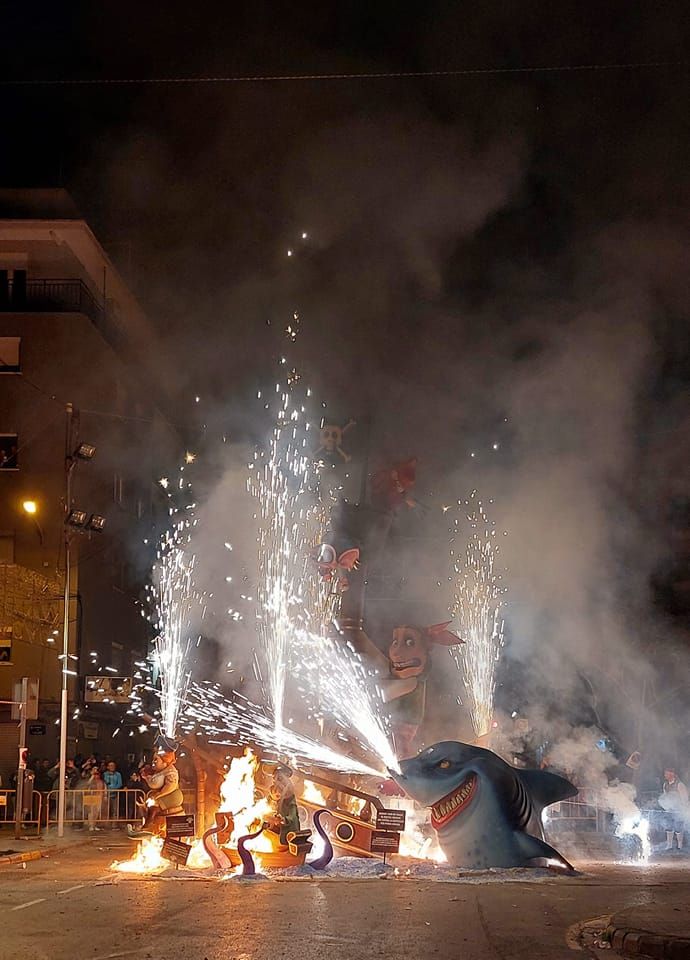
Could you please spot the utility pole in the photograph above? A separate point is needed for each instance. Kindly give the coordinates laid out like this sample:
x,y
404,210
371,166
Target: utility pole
x,y
21,765
80,522
69,465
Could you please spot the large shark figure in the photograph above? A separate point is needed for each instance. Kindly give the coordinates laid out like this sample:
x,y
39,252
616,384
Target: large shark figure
x,y
485,813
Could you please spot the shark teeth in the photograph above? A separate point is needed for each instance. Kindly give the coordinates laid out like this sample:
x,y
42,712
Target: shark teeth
x,y
449,806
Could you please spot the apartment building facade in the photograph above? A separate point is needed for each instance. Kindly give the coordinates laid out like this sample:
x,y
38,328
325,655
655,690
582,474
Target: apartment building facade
x,y
75,348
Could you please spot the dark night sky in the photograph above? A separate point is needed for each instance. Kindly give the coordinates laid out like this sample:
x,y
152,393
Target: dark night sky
x,y
422,197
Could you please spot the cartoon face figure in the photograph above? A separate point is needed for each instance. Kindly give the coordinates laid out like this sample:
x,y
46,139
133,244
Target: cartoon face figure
x,y
334,568
331,437
408,653
162,760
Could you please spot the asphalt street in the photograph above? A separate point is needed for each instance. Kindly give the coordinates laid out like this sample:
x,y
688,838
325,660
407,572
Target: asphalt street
x,y
68,905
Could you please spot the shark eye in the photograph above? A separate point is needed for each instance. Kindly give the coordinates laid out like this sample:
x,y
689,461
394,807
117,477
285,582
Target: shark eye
x,y
444,764
409,641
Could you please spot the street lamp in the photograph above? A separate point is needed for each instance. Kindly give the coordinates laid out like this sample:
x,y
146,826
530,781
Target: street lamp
x,y
30,508
76,521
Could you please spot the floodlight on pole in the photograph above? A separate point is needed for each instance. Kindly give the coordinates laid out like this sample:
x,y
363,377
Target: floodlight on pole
x,y
77,519
85,451
69,466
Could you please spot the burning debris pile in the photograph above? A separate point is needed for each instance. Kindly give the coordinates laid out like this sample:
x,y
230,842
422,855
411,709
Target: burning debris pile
x,y
248,808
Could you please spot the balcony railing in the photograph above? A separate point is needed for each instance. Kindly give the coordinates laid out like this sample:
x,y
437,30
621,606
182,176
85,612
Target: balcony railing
x,y
63,296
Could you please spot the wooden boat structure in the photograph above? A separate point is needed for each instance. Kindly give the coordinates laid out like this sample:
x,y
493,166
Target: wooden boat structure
x,y
344,832
350,833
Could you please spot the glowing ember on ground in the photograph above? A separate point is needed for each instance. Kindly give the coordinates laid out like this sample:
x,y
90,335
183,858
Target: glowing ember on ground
x,y
637,826
147,858
476,605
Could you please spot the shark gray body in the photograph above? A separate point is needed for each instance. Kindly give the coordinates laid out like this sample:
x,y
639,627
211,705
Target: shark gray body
x,y
485,812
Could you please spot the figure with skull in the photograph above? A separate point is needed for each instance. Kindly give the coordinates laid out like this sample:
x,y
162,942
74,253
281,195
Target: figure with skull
x,y
331,440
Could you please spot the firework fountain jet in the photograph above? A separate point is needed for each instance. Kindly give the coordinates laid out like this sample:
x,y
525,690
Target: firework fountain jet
x,y
290,520
295,609
228,721
348,694
476,606
173,598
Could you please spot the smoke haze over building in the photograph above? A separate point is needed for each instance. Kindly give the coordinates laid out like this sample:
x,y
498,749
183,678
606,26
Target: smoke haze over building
x,y
489,261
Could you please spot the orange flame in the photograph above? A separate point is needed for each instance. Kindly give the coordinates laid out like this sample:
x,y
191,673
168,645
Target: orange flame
x,y
313,794
148,858
238,797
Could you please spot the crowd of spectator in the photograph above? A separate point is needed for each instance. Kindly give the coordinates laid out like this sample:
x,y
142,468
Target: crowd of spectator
x,y
100,779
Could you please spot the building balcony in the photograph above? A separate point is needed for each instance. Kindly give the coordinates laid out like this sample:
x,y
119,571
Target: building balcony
x,y
21,295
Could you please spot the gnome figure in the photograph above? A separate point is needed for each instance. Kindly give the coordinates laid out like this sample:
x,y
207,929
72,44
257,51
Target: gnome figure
x,y
164,797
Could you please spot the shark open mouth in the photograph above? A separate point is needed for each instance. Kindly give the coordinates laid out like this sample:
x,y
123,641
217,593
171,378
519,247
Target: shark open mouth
x,y
453,803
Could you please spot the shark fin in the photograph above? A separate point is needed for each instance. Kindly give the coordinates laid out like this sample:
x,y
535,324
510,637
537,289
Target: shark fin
x,y
534,849
545,788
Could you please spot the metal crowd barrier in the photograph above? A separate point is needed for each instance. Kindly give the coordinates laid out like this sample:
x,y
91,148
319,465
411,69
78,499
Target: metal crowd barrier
x,y
584,811
580,811
96,806
32,816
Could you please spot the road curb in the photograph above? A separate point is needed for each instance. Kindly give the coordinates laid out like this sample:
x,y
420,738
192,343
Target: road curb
x,y
21,857
640,943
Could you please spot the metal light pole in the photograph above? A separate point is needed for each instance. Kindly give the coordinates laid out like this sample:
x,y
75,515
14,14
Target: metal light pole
x,y
21,766
69,464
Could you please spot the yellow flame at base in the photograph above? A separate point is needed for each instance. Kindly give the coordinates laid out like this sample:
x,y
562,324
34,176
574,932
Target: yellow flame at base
x,y
148,858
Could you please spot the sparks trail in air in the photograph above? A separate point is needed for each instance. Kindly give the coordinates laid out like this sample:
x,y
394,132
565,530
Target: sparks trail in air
x,y
238,720
295,606
334,681
291,519
174,602
478,589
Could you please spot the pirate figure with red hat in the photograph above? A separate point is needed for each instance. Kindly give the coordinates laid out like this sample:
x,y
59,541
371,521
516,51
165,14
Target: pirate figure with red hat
x,y
409,665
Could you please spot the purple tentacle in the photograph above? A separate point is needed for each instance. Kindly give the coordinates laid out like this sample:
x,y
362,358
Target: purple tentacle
x,y
327,854
248,868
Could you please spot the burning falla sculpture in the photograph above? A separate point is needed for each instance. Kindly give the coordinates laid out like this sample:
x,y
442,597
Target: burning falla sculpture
x,y
485,813
164,797
271,823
